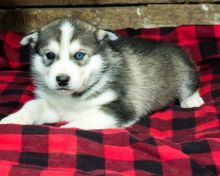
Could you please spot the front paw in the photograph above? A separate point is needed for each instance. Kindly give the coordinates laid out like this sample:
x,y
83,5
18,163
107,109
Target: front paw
x,y
68,125
16,118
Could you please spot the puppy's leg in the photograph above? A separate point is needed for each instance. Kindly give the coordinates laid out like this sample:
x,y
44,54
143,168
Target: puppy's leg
x,y
93,119
33,112
189,96
194,100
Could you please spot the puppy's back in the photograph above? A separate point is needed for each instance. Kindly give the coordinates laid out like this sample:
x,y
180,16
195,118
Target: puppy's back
x,y
153,73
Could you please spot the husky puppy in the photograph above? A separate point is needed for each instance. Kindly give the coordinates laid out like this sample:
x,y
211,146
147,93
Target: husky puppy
x,y
94,79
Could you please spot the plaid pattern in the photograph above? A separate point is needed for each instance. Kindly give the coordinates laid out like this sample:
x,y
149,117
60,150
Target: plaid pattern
x,y
172,142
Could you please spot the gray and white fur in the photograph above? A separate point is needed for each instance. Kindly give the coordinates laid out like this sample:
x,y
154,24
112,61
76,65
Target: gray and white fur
x,y
94,79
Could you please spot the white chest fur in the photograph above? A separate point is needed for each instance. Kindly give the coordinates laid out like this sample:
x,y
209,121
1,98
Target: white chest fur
x,y
70,108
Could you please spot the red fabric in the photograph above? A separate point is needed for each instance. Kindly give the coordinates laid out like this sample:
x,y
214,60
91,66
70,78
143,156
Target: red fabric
x,y
171,142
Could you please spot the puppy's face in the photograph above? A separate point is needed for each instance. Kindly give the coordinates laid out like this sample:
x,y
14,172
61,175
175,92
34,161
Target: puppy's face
x,y
66,56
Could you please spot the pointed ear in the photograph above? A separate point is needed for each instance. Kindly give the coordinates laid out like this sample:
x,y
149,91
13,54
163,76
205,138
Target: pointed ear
x,y
104,34
31,39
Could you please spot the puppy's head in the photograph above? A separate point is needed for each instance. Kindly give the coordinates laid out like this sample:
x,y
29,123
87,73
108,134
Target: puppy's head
x,y
66,55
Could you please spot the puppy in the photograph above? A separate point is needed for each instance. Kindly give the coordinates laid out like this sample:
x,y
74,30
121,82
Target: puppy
x,y
94,79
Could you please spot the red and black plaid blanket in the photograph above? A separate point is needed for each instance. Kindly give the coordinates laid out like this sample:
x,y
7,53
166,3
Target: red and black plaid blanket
x,y
172,142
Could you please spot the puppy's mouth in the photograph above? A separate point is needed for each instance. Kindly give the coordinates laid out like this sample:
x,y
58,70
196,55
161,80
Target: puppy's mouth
x,y
64,91
63,88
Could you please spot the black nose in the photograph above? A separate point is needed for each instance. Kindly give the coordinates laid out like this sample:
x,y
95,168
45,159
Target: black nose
x,y
62,79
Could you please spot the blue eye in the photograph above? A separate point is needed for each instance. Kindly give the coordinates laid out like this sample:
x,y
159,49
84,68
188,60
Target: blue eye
x,y
79,55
